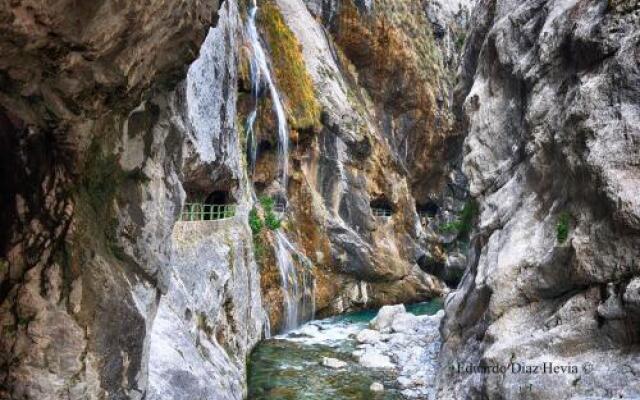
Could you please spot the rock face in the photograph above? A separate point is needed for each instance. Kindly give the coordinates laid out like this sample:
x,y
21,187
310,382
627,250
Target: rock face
x,y
210,318
114,115
107,132
382,138
103,133
551,96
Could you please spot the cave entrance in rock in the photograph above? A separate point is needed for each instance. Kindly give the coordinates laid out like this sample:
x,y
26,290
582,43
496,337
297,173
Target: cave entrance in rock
x,y
217,205
279,204
427,210
381,207
218,197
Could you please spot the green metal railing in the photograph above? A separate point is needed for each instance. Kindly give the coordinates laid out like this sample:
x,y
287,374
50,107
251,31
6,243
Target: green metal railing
x,y
207,212
381,212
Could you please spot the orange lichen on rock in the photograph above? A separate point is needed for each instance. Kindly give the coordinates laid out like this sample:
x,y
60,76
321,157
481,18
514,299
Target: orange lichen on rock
x,y
400,68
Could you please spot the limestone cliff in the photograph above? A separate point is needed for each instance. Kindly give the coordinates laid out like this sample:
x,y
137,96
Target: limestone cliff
x,y
363,153
382,140
114,118
103,134
551,93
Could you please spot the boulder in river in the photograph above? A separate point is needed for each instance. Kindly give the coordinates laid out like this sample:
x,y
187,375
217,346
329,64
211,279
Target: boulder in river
x,y
333,363
374,359
405,323
382,321
368,336
376,387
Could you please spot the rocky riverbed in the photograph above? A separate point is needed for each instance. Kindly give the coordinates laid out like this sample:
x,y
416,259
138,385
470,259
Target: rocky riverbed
x,y
391,355
405,343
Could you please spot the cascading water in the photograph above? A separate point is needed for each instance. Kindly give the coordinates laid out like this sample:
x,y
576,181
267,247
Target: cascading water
x,y
252,145
297,283
260,69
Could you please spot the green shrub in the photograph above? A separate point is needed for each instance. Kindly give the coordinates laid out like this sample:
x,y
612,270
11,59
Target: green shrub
x,y
271,221
464,222
449,227
255,222
466,217
562,227
267,203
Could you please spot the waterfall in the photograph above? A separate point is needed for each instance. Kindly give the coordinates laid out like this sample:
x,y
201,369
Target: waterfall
x,y
252,145
266,333
298,285
259,71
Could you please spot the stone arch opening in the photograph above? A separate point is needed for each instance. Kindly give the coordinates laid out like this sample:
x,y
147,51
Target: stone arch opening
x,y
381,207
218,197
265,146
219,204
208,206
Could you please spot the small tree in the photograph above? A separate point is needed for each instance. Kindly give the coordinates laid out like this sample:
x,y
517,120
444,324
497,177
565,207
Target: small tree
x,y
271,221
464,222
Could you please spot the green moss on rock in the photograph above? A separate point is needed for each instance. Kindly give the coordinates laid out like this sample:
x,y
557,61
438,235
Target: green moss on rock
x,y
290,70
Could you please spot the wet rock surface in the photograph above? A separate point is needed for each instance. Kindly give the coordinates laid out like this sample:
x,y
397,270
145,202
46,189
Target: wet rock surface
x,y
360,158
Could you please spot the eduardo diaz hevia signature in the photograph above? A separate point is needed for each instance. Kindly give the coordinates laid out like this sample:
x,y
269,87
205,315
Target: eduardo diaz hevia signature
x,y
546,367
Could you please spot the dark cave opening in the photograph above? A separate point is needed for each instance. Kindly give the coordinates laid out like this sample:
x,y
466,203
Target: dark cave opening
x,y
207,206
381,207
218,197
219,204
428,209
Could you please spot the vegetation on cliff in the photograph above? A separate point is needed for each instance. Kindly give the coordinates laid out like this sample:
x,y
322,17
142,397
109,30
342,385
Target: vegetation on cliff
x,y
562,227
463,224
291,73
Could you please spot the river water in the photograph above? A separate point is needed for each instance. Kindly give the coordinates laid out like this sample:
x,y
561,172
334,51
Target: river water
x,y
289,366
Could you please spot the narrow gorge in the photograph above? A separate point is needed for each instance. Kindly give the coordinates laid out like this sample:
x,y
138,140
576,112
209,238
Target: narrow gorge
x,y
320,199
